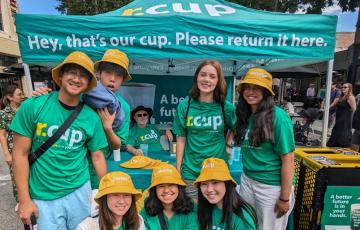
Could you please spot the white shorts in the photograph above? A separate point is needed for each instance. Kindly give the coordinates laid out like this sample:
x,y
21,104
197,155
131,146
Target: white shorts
x,y
263,197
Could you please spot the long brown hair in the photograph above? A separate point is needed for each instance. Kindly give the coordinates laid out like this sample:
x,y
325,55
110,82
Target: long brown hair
x,y
107,218
8,91
220,89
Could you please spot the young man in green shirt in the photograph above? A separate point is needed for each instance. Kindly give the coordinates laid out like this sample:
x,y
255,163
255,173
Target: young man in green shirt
x,y
113,71
58,182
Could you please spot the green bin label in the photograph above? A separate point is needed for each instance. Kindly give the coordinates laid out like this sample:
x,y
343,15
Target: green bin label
x,y
341,208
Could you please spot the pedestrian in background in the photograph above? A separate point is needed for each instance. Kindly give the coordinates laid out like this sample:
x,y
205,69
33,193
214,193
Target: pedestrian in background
x,y
341,133
13,97
334,99
355,140
265,133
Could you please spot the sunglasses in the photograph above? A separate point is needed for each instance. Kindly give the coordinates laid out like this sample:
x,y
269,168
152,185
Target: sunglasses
x,y
142,115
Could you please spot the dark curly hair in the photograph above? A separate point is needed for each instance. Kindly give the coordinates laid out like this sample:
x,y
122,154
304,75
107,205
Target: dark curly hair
x,y
183,203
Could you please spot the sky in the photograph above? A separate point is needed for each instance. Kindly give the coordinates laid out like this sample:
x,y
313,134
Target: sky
x,y
346,21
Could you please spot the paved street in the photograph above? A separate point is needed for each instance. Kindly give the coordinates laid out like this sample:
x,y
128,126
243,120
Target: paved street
x,y
8,217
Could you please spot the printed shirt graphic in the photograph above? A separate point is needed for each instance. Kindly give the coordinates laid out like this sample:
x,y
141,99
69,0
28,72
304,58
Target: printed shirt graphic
x,y
177,221
63,167
149,135
205,133
237,222
263,163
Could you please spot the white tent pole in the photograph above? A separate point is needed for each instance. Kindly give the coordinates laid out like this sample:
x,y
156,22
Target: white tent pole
x,y
327,103
234,88
28,79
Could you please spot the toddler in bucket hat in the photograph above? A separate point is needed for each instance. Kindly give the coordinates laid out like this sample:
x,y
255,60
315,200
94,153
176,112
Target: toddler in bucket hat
x,y
214,169
257,76
80,59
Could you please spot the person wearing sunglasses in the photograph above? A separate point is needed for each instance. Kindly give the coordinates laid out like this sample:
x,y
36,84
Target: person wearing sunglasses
x,y
341,133
144,133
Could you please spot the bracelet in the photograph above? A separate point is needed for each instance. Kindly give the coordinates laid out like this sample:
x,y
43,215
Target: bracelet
x,y
283,200
229,146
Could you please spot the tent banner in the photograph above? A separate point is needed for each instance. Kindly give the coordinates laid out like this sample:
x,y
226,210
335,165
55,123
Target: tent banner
x,y
168,29
161,93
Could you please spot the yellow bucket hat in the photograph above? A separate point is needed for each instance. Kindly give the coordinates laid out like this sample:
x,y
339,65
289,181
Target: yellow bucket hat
x,y
137,162
258,77
117,182
116,57
166,174
214,169
78,58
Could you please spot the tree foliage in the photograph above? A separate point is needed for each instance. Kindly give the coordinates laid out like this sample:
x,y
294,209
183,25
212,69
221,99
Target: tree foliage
x,y
307,6
91,7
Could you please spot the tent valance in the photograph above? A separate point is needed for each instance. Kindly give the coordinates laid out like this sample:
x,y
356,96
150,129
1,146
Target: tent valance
x,y
193,29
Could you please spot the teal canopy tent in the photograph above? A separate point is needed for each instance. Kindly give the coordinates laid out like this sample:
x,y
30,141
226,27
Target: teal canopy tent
x,y
168,37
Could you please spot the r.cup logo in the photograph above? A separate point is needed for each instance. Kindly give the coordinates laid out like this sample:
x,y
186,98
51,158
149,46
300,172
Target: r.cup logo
x,y
71,136
216,10
205,121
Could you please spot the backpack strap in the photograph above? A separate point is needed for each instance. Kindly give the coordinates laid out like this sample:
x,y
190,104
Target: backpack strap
x,y
224,118
33,156
186,116
162,221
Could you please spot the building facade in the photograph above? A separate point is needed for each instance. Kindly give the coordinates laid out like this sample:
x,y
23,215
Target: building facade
x,y
9,48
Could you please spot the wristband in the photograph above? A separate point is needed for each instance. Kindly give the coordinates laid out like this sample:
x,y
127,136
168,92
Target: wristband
x,y
283,200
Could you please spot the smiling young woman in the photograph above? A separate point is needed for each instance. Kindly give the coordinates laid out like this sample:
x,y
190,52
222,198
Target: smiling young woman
x,y
200,122
225,209
265,133
168,206
117,209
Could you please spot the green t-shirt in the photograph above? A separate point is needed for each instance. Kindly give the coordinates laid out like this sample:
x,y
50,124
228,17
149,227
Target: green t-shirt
x,y
236,222
63,167
263,163
122,133
149,135
177,221
205,133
